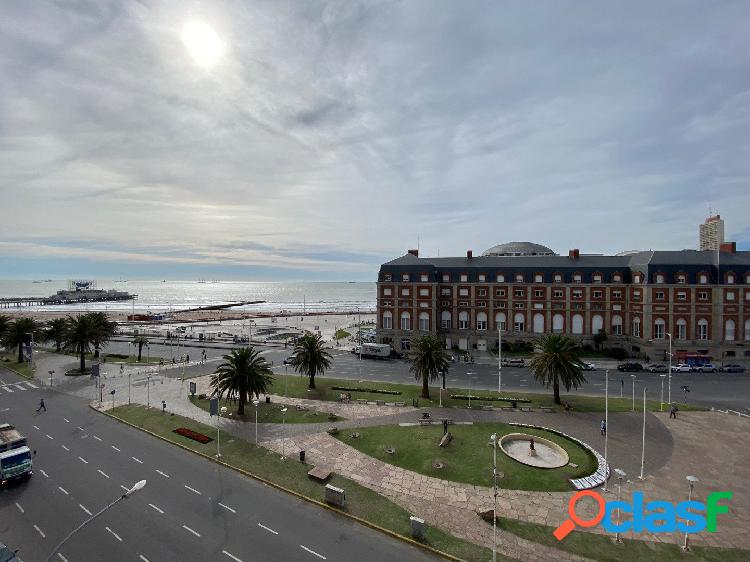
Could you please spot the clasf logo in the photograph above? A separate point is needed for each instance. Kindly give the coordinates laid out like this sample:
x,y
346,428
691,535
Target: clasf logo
x,y
654,516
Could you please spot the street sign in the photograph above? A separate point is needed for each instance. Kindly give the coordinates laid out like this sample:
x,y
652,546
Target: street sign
x,y
193,388
213,409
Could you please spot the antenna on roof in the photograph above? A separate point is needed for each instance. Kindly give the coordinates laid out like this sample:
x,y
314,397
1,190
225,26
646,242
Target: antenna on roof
x,y
417,242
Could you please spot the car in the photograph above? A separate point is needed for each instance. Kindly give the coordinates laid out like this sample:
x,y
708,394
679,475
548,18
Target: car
x,y
513,363
732,368
630,367
705,368
682,368
588,366
289,361
8,555
657,368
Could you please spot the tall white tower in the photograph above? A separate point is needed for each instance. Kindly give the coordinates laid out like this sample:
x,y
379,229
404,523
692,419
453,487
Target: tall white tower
x,y
712,233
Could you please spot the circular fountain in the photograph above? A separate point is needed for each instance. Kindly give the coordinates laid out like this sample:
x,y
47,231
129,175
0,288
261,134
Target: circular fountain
x,y
533,451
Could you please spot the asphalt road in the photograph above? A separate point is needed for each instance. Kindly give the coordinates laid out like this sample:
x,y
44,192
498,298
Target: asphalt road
x,y
191,509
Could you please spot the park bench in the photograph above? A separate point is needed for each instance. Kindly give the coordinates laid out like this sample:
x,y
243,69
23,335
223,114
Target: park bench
x,y
423,421
507,408
361,400
525,408
487,407
380,402
399,403
546,409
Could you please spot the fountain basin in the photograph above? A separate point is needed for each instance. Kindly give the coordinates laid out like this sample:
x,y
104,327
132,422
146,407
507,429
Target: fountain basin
x,y
547,454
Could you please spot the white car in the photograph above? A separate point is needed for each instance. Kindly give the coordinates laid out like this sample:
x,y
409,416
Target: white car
x,y
588,366
681,368
706,368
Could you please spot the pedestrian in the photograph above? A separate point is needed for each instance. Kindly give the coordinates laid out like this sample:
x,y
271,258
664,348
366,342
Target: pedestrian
x,y
41,405
163,406
567,407
673,411
187,358
603,427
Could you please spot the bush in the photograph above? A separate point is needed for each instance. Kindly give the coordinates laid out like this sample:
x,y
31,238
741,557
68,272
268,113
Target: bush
x,y
587,348
616,353
194,435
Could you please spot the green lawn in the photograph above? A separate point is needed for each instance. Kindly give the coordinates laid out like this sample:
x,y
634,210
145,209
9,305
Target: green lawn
x,y
468,458
601,547
342,334
268,413
10,361
291,474
296,387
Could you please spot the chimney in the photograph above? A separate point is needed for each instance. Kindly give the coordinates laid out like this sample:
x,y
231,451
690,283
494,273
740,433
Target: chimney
x,y
728,247
573,254
468,254
414,253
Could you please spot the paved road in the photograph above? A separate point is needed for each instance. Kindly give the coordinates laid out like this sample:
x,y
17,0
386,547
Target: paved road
x,y
191,509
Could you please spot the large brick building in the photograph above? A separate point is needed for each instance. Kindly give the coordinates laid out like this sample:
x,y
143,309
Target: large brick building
x,y
701,298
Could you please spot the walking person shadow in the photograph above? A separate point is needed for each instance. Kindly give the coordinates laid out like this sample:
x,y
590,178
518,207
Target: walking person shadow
x,y
42,406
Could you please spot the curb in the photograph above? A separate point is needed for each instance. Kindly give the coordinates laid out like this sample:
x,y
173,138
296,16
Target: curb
x,y
364,522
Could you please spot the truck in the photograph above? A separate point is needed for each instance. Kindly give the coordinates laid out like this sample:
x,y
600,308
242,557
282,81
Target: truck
x,y
15,455
374,350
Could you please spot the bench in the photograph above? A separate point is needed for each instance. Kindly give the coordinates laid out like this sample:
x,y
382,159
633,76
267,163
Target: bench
x,y
399,403
380,402
507,409
425,421
361,401
487,407
546,409
525,408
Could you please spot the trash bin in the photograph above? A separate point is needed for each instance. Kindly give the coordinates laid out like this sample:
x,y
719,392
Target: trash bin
x,y
268,399
513,404
302,456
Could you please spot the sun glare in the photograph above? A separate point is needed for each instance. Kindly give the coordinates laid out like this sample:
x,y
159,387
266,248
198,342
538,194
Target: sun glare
x,y
202,42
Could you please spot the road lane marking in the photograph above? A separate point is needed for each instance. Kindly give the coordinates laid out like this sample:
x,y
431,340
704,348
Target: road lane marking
x,y
38,530
19,387
97,438
61,557
64,447
84,461
36,427
114,534
262,526
189,529
83,507
49,436
32,385
79,427
8,389
143,558
66,420
102,473
18,505
139,461
193,490
303,547
157,509
43,473
63,490
125,488
163,474
232,556
227,507
115,448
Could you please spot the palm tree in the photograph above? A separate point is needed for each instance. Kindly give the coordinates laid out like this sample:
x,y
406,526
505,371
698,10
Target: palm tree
x,y
79,336
4,321
310,357
56,332
428,360
556,360
18,332
245,373
140,341
104,329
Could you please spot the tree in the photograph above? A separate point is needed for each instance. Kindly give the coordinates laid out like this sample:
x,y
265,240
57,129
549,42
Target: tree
x,y
556,361
18,332
599,338
4,321
428,360
103,328
243,374
56,332
79,336
140,341
310,357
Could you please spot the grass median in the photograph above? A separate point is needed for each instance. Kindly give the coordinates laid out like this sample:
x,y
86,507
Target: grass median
x,y
268,413
292,475
10,362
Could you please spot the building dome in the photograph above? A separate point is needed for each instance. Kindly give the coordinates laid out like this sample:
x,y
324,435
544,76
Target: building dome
x,y
519,249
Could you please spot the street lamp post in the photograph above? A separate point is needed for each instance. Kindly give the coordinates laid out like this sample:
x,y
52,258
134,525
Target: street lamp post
x,y
470,373
52,372
136,487
643,439
222,411
493,438
692,480
129,375
283,433
148,391
669,385
606,424
620,475
633,378
256,403
661,400
499,359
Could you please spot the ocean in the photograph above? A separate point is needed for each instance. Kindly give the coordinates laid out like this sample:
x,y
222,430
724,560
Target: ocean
x,y
163,296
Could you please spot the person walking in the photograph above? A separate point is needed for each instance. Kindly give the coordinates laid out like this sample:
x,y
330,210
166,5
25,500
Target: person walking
x,y
187,358
603,427
673,411
41,405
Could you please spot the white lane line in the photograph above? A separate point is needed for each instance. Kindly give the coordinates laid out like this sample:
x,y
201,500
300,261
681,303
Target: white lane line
x,y
190,530
232,556
262,526
115,448
84,461
143,558
97,438
125,488
114,534
61,557
66,420
157,509
163,474
83,507
36,427
18,505
32,385
193,490
79,427
64,447
38,530
19,387
63,490
139,461
227,507
8,389
303,547
49,436
44,473
102,473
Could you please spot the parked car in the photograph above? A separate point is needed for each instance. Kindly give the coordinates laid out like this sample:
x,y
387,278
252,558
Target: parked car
x,y
630,367
657,368
289,361
681,368
513,363
588,366
732,368
706,368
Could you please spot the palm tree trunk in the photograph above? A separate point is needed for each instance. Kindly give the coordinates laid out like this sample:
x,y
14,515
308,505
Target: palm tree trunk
x,y
83,359
20,351
59,345
425,388
312,380
140,349
241,407
556,386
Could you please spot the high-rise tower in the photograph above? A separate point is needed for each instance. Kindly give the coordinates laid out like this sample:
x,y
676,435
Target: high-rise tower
x,y
712,233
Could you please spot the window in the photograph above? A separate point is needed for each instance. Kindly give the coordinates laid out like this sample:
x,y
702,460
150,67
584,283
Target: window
x,y
464,278
463,320
730,278
577,278
519,278
445,303
518,322
616,325
616,294
747,278
538,278
405,277
681,278
424,304
423,278
557,293
482,277
681,329
702,295
500,278
482,292
387,303
481,321
558,321
681,296
729,330
519,305
702,329
405,321
387,277
617,278
424,292
637,278
578,306
747,330
404,292
577,293
445,292
463,292
660,278
482,304
501,292
538,293
636,327
659,295
387,320
538,323
445,319
424,321
729,295
577,322
446,278
747,295
597,278
659,329
463,303
597,306
598,294
500,305
500,321
387,292
518,293
558,278
703,279
597,324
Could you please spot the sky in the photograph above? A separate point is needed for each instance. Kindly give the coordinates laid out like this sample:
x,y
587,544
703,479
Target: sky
x,y
314,140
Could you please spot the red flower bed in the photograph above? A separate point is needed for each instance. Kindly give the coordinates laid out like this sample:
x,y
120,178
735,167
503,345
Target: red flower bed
x,y
194,435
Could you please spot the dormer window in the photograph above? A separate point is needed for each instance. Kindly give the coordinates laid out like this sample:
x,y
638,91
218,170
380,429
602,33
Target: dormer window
x,y
637,278
423,278
538,278
576,278
519,278
681,279
558,278
482,278
659,278
500,278
617,278
703,279
597,278
387,277
405,278
446,278
730,278
464,278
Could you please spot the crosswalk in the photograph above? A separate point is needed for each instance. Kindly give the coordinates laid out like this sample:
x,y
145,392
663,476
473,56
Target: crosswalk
x,y
17,386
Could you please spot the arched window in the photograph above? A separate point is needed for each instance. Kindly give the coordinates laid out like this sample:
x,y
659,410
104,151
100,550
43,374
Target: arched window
x,y
481,321
463,320
597,324
445,319
747,330
387,320
500,321
616,325
577,322
518,322
659,328
636,332
424,321
702,329
729,330
538,323
405,321
558,323
681,329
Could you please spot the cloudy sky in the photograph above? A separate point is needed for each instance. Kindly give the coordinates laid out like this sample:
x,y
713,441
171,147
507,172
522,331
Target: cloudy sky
x,y
315,140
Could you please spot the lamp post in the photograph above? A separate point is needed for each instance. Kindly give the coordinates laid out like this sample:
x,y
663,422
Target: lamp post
x,y
643,439
469,374
620,475
256,403
136,487
661,400
222,411
129,375
283,433
31,355
499,358
52,372
493,439
148,391
633,378
692,480
669,386
606,424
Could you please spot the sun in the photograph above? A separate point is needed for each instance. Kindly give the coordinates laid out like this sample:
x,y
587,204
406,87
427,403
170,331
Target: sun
x,y
202,42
